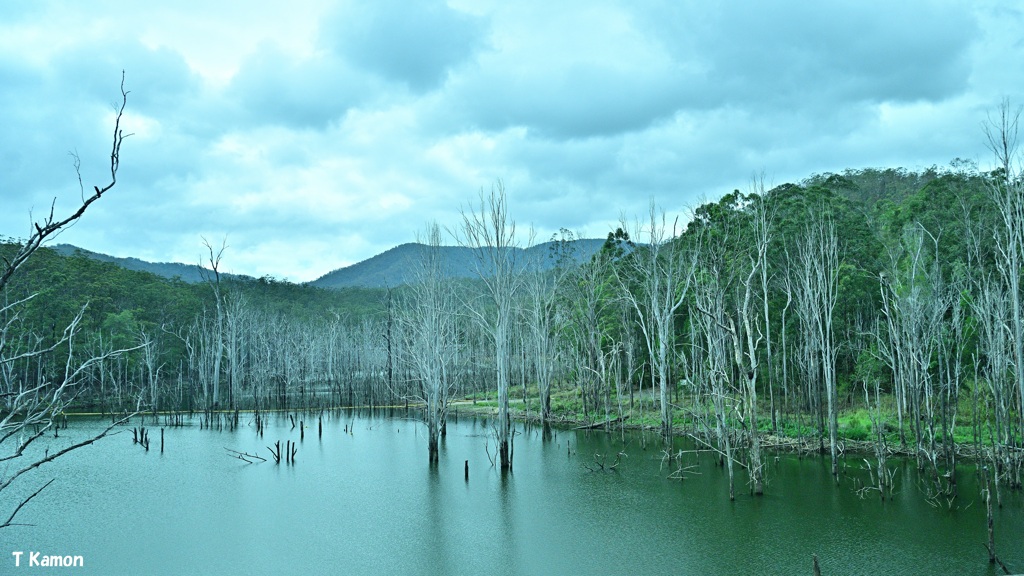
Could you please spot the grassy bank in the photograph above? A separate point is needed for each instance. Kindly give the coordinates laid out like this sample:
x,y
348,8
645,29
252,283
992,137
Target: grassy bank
x,y
789,430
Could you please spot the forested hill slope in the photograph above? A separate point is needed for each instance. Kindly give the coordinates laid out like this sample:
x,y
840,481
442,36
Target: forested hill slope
x,y
120,302
397,266
190,273
871,189
394,267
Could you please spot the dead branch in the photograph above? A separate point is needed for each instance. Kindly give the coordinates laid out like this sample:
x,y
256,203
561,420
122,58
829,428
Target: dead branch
x,y
244,456
51,224
602,465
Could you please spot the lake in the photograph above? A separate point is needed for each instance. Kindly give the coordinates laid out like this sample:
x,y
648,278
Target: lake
x,y
363,500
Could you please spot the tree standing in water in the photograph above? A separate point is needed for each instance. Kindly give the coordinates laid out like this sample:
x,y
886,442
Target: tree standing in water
x,y
489,232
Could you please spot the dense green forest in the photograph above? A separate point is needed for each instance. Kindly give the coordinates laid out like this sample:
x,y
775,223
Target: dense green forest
x,y
874,306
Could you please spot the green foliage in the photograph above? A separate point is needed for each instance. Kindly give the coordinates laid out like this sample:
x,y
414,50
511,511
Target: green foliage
x,y
856,425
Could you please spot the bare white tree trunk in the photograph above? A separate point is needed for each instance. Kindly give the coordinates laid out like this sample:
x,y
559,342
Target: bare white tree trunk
x,y
491,234
1006,189
430,337
914,302
545,319
710,366
217,340
661,274
817,264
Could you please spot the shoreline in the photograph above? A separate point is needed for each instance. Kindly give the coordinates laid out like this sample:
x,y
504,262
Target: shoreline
x,y
777,441
774,441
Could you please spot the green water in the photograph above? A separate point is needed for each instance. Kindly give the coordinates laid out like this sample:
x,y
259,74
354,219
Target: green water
x,y
367,502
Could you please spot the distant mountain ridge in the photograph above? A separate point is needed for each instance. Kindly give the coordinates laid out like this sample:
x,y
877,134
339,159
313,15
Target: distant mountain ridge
x,y
190,273
397,266
393,267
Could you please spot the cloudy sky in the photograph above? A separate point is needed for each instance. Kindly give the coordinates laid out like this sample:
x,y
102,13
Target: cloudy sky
x,y
315,134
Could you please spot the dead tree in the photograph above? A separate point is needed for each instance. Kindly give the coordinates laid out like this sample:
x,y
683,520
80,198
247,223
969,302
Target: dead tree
x,y
817,271
663,270
30,407
1006,189
491,234
545,318
430,337
216,345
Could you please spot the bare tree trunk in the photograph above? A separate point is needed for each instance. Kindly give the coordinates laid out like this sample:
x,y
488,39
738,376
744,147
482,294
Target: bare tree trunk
x,y
1007,193
490,233
818,271
430,339
218,335
663,270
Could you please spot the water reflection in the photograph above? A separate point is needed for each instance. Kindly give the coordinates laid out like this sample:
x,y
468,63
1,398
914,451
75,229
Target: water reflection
x,y
508,536
437,538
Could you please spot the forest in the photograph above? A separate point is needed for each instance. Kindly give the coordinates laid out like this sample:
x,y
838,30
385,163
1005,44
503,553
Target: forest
x,y
874,309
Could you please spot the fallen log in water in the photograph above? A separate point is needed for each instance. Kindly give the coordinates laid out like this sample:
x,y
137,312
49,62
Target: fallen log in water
x,y
245,456
596,425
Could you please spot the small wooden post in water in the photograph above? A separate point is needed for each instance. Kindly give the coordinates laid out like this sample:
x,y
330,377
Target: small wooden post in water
x,y
320,427
817,569
467,470
161,440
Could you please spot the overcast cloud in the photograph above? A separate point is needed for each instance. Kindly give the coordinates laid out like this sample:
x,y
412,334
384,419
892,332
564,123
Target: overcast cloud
x,y
315,134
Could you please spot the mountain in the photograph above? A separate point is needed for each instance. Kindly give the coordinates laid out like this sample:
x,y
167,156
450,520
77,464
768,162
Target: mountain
x,y
397,266
190,273
391,268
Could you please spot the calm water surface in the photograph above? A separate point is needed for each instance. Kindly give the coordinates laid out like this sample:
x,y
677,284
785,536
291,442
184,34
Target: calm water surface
x,y
367,502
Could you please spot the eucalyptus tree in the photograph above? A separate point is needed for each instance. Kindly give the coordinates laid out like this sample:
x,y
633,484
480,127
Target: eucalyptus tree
x,y
709,363
914,303
955,343
591,300
237,331
490,233
333,345
431,336
152,366
740,227
991,311
206,350
1006,189
785,283
753,277
261,359
763,225
816,269
545,318
659,277
216,339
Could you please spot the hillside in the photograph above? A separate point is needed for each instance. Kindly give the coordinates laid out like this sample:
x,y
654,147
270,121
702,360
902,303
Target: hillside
x,y
870,188
393,267
398,265
190,273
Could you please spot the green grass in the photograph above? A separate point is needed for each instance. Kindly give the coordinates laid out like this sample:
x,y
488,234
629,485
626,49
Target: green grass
x,y
854,419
